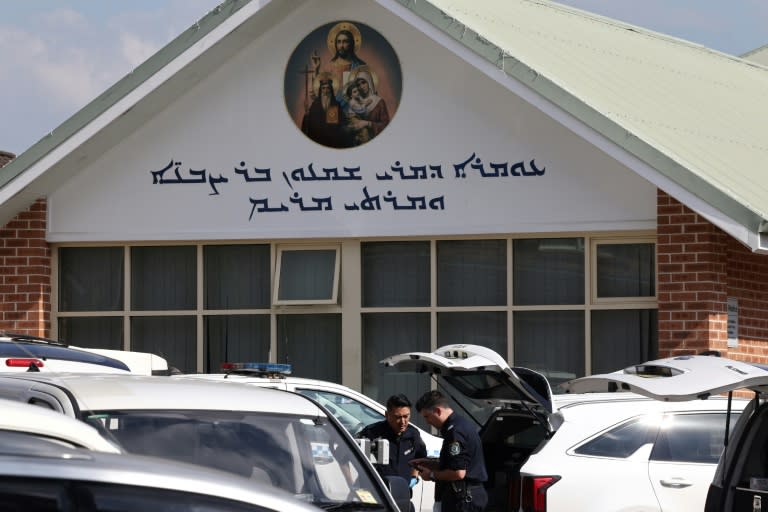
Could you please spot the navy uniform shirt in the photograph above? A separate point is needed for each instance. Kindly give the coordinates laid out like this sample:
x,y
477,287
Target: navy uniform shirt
x,y
462,449
403,448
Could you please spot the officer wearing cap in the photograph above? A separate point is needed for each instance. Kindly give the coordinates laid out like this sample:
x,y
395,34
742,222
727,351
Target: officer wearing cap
x,y
405,443
460,472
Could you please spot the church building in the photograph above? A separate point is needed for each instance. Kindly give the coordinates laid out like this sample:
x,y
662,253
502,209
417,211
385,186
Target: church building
x,y
327,183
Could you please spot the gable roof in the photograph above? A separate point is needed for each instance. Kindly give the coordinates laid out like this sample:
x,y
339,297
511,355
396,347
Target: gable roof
x,y
685,117
758,55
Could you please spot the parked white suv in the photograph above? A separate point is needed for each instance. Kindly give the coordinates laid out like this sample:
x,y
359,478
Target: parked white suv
x,y
741,479
354,410
25,353
558,453
283,439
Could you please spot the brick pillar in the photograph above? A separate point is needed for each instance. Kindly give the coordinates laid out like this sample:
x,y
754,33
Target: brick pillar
x,y
25,273
692,274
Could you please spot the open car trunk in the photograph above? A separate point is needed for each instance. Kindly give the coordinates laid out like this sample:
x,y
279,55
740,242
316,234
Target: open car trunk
x,y
741,478
513,406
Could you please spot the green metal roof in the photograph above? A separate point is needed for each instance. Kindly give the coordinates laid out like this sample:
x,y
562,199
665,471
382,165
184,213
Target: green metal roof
x,y
693,115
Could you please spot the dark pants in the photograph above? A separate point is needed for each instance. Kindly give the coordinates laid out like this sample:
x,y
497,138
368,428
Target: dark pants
x,y
452,502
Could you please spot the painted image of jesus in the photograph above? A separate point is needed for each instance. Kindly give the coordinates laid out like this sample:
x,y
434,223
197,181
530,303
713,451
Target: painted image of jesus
x,y
343,84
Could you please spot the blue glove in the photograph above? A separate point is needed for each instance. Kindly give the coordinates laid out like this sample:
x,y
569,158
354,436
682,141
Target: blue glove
x,y
413,482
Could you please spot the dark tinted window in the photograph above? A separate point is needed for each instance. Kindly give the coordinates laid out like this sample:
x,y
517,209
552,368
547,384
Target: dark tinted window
x,y
621,441
691,438
471,272
91,278
395,274
43,351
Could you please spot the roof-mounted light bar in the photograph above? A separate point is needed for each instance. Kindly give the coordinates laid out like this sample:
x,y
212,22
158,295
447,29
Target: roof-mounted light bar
x,y
275,369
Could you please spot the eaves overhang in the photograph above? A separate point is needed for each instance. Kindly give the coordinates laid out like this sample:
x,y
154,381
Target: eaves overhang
x,y
20,183
657,166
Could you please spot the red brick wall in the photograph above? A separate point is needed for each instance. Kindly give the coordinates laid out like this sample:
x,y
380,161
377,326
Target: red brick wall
x,y
25,273
699,267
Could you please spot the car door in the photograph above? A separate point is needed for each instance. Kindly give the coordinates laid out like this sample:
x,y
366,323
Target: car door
x,y
351,413
685,455
23,388
358,412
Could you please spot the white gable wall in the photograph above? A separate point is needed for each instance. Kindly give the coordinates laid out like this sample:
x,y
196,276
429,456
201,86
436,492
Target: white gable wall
x,y
449,110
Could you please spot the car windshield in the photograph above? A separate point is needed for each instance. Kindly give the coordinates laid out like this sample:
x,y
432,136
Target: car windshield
x,y
305,456
352,414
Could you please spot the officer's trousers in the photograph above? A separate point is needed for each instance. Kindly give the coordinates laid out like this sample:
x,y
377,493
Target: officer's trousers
x,y
477,501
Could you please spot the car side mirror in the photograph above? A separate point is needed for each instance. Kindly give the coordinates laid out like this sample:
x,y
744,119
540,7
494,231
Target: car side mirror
x,y
401,493
376,451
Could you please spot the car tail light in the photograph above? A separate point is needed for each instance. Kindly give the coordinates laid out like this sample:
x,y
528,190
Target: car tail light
x,y
534,497
23,362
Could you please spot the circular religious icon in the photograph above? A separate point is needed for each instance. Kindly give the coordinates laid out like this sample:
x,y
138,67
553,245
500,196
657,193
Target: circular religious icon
x,y
343,84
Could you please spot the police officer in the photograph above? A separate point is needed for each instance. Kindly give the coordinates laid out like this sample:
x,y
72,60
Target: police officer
x,y
405,443
460,472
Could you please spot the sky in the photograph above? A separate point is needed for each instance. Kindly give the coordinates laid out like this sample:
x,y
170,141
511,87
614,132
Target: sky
x,y
57,55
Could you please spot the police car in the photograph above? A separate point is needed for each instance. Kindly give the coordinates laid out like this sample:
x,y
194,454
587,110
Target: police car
x,y
42,474
25,353
354,410
283,439
595,451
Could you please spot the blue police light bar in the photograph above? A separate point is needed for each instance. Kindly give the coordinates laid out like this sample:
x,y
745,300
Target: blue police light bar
x,y
271,368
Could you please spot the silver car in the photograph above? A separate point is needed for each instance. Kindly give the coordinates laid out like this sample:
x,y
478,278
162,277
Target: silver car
x,y
43,475
284,439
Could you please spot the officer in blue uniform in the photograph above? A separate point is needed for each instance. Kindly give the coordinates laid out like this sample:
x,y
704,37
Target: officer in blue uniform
x,y
405,443
460,473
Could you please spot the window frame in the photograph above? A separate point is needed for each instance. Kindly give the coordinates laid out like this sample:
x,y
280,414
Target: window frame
x,y
629,302
280,249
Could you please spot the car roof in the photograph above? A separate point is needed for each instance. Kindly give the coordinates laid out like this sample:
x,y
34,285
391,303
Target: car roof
x,y
36,420
53,355
100,392
289,381
45,460
677,378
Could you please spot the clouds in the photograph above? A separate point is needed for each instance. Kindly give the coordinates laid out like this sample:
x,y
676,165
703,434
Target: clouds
x,y
59,55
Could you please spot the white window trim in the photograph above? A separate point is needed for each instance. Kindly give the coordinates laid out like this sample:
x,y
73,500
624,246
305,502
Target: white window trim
x,y
295,248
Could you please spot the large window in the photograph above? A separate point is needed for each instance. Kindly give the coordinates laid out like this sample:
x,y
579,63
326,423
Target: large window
x,y
201,305
566,306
